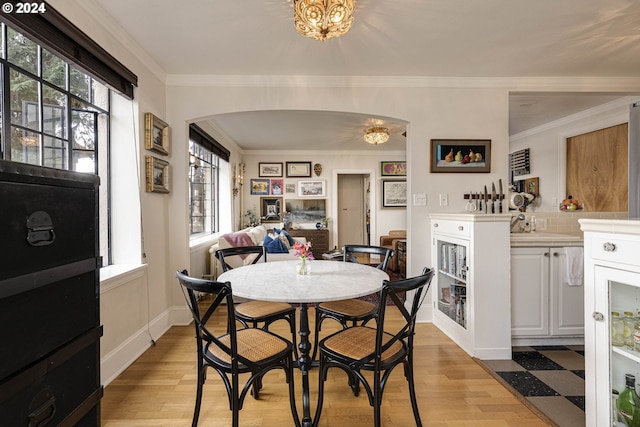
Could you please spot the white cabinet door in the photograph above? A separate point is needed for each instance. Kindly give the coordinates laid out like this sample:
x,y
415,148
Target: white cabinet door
x,y
529,292
567,302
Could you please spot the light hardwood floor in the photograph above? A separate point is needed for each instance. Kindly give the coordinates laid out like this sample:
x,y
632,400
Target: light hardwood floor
x,y
453,391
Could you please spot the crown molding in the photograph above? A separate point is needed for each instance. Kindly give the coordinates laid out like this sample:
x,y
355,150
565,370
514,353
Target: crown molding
x,y
519,84
361,153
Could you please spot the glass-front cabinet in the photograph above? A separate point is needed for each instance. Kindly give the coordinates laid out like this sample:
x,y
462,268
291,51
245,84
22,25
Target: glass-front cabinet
x,y
452,279
470,253
612,302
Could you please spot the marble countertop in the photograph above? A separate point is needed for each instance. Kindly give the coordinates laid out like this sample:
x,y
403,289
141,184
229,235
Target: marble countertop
x,y
536,239
328,281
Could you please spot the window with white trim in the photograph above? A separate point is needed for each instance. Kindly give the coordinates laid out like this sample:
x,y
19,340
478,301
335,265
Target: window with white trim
x,y
207,158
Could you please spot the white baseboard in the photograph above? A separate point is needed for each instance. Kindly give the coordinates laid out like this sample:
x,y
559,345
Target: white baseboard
x,y
493,353
527,342
119,359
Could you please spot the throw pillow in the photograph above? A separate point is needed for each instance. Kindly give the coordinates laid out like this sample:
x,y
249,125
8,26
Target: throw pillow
x,y
286,234
274,246
284,240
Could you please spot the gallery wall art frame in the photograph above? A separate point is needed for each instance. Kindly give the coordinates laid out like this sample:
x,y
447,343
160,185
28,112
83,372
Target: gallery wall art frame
x,y
394,193
273,170
157,175
271,209
461,155
277,187
156,134
393,168
306,210
317,188
298,169
260,187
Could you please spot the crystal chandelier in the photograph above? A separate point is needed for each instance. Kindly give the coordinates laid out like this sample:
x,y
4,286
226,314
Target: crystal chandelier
x,y
376,135
323,19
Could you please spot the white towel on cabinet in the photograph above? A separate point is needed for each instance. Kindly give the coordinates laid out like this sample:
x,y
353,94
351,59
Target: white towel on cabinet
x,y
575,265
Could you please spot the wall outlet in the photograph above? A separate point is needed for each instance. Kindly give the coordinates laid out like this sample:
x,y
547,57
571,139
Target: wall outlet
x,y
444,200
541,224
420,199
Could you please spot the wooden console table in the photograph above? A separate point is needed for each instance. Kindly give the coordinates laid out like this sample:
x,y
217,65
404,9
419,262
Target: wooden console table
x,y
319,240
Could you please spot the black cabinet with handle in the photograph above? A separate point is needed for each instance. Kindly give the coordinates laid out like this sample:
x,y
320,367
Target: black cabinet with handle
x,y
49,297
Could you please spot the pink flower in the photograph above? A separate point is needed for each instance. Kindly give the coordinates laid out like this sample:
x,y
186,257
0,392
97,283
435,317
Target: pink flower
x,y
303,250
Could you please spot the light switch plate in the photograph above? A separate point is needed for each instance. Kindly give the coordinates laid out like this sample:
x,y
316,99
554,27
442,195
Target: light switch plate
x,y
444,200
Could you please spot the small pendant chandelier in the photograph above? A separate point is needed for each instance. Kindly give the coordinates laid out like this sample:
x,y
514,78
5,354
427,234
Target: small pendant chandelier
x,y
323,19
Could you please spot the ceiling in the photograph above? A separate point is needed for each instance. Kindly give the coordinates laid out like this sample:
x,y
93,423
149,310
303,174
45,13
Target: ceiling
x,y
434,38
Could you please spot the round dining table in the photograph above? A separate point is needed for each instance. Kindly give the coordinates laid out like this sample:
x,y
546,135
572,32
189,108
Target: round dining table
x,y
328,281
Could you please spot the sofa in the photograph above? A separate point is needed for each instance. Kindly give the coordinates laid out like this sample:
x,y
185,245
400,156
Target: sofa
x,y
391,241
279,246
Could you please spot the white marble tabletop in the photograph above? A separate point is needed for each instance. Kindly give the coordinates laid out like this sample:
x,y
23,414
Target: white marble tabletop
x,y
328,281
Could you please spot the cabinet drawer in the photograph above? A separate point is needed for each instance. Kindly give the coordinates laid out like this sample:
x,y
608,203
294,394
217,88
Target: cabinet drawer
x,y
37,322
615,249
63,389
45,221
453,228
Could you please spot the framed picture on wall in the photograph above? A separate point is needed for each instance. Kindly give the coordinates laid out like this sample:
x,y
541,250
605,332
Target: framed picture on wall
x,y
277,187
394,194
461,155
271,209
306,210
270,170
312,188
156,134
298,169
393,168
157,175
260,187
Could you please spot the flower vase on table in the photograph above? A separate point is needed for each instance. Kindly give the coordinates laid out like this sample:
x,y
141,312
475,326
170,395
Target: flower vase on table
x,y
304,267
304,254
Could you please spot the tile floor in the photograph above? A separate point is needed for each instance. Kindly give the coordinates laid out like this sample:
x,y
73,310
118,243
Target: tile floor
x,y
551,378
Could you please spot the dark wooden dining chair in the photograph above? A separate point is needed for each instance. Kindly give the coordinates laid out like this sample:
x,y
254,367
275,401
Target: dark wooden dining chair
x,y
239,351
256,313
352,310
379,349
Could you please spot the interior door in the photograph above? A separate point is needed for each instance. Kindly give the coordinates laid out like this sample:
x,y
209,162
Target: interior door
x,y
351,210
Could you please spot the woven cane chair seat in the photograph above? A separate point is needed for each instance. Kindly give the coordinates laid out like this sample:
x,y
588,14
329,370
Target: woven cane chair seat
x,y
359,342
253,344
